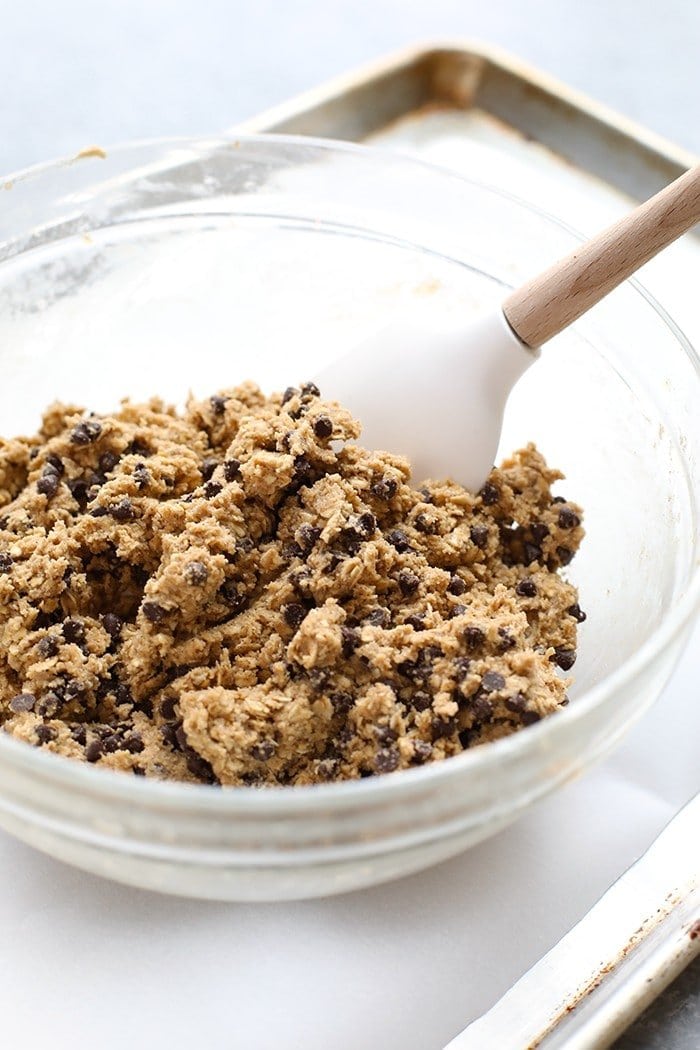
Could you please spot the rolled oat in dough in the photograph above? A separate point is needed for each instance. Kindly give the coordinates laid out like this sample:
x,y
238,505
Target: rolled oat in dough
x,y
238,594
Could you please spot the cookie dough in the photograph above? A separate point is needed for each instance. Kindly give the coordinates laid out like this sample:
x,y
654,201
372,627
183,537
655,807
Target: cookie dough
x,y
239,594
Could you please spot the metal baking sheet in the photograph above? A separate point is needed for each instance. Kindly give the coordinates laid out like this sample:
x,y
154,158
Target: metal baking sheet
x,y
476,79
481,112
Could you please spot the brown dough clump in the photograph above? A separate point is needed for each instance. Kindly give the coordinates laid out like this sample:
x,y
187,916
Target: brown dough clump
x,y
237,595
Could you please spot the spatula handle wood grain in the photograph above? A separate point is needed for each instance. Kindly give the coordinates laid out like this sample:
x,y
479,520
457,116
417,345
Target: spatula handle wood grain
x,y
549,303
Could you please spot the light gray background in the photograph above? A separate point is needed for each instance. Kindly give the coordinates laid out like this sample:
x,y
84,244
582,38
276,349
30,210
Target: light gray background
x,y
74,72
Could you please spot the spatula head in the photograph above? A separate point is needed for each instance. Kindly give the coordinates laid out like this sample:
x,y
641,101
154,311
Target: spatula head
x,y
433,391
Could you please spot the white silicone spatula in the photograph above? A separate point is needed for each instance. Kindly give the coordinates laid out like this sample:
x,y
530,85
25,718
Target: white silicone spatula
x,y
436,392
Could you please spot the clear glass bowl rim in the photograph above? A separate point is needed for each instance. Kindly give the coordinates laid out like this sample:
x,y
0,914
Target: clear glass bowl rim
x,y
273,801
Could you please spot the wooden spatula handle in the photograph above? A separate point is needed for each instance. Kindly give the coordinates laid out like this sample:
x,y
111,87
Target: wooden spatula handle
x,y
549,303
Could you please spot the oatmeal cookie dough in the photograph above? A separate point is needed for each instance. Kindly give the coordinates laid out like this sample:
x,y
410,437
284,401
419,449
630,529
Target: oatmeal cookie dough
x,y
240,595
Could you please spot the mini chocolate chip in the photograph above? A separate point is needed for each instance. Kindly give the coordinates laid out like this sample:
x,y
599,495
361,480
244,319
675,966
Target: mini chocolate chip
x,y
93,751
568,519
78,490
378,617
479,535
123,510
138,771
168,732
342,702
350,641
303,470
422,750
443,727
208,467
492,681
111,743
86,432
386,760
45,734
301,581
507,639
294,614
49,704
289,393
399,540
6,563
48,646
218,404
56,462
73,630
539,531
22,702
112,625
142,475
232,469
79,735
564,658
366,524
457,610
123,694
420,700
263,750
153,612
74,687
558,499
48,485
133,743
490,494
310,390
526,588
416,621
516,703
531,552
290,551
408,582
577,612
474,637
461,665
245,545
196,573
529,717
425,524
386,488
306,536
565,555
318,678
456,585
50,471
323,427
234,598
480,708
99,512
168,708
108,461
212,488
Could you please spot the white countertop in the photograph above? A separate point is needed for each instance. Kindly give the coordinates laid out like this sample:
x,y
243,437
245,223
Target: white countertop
x,y
85,962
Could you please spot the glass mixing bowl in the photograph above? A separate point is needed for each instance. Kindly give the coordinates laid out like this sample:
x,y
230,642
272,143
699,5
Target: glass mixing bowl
x,y
170,266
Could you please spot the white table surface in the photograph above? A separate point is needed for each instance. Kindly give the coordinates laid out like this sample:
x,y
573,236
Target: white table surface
x,y
84,962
